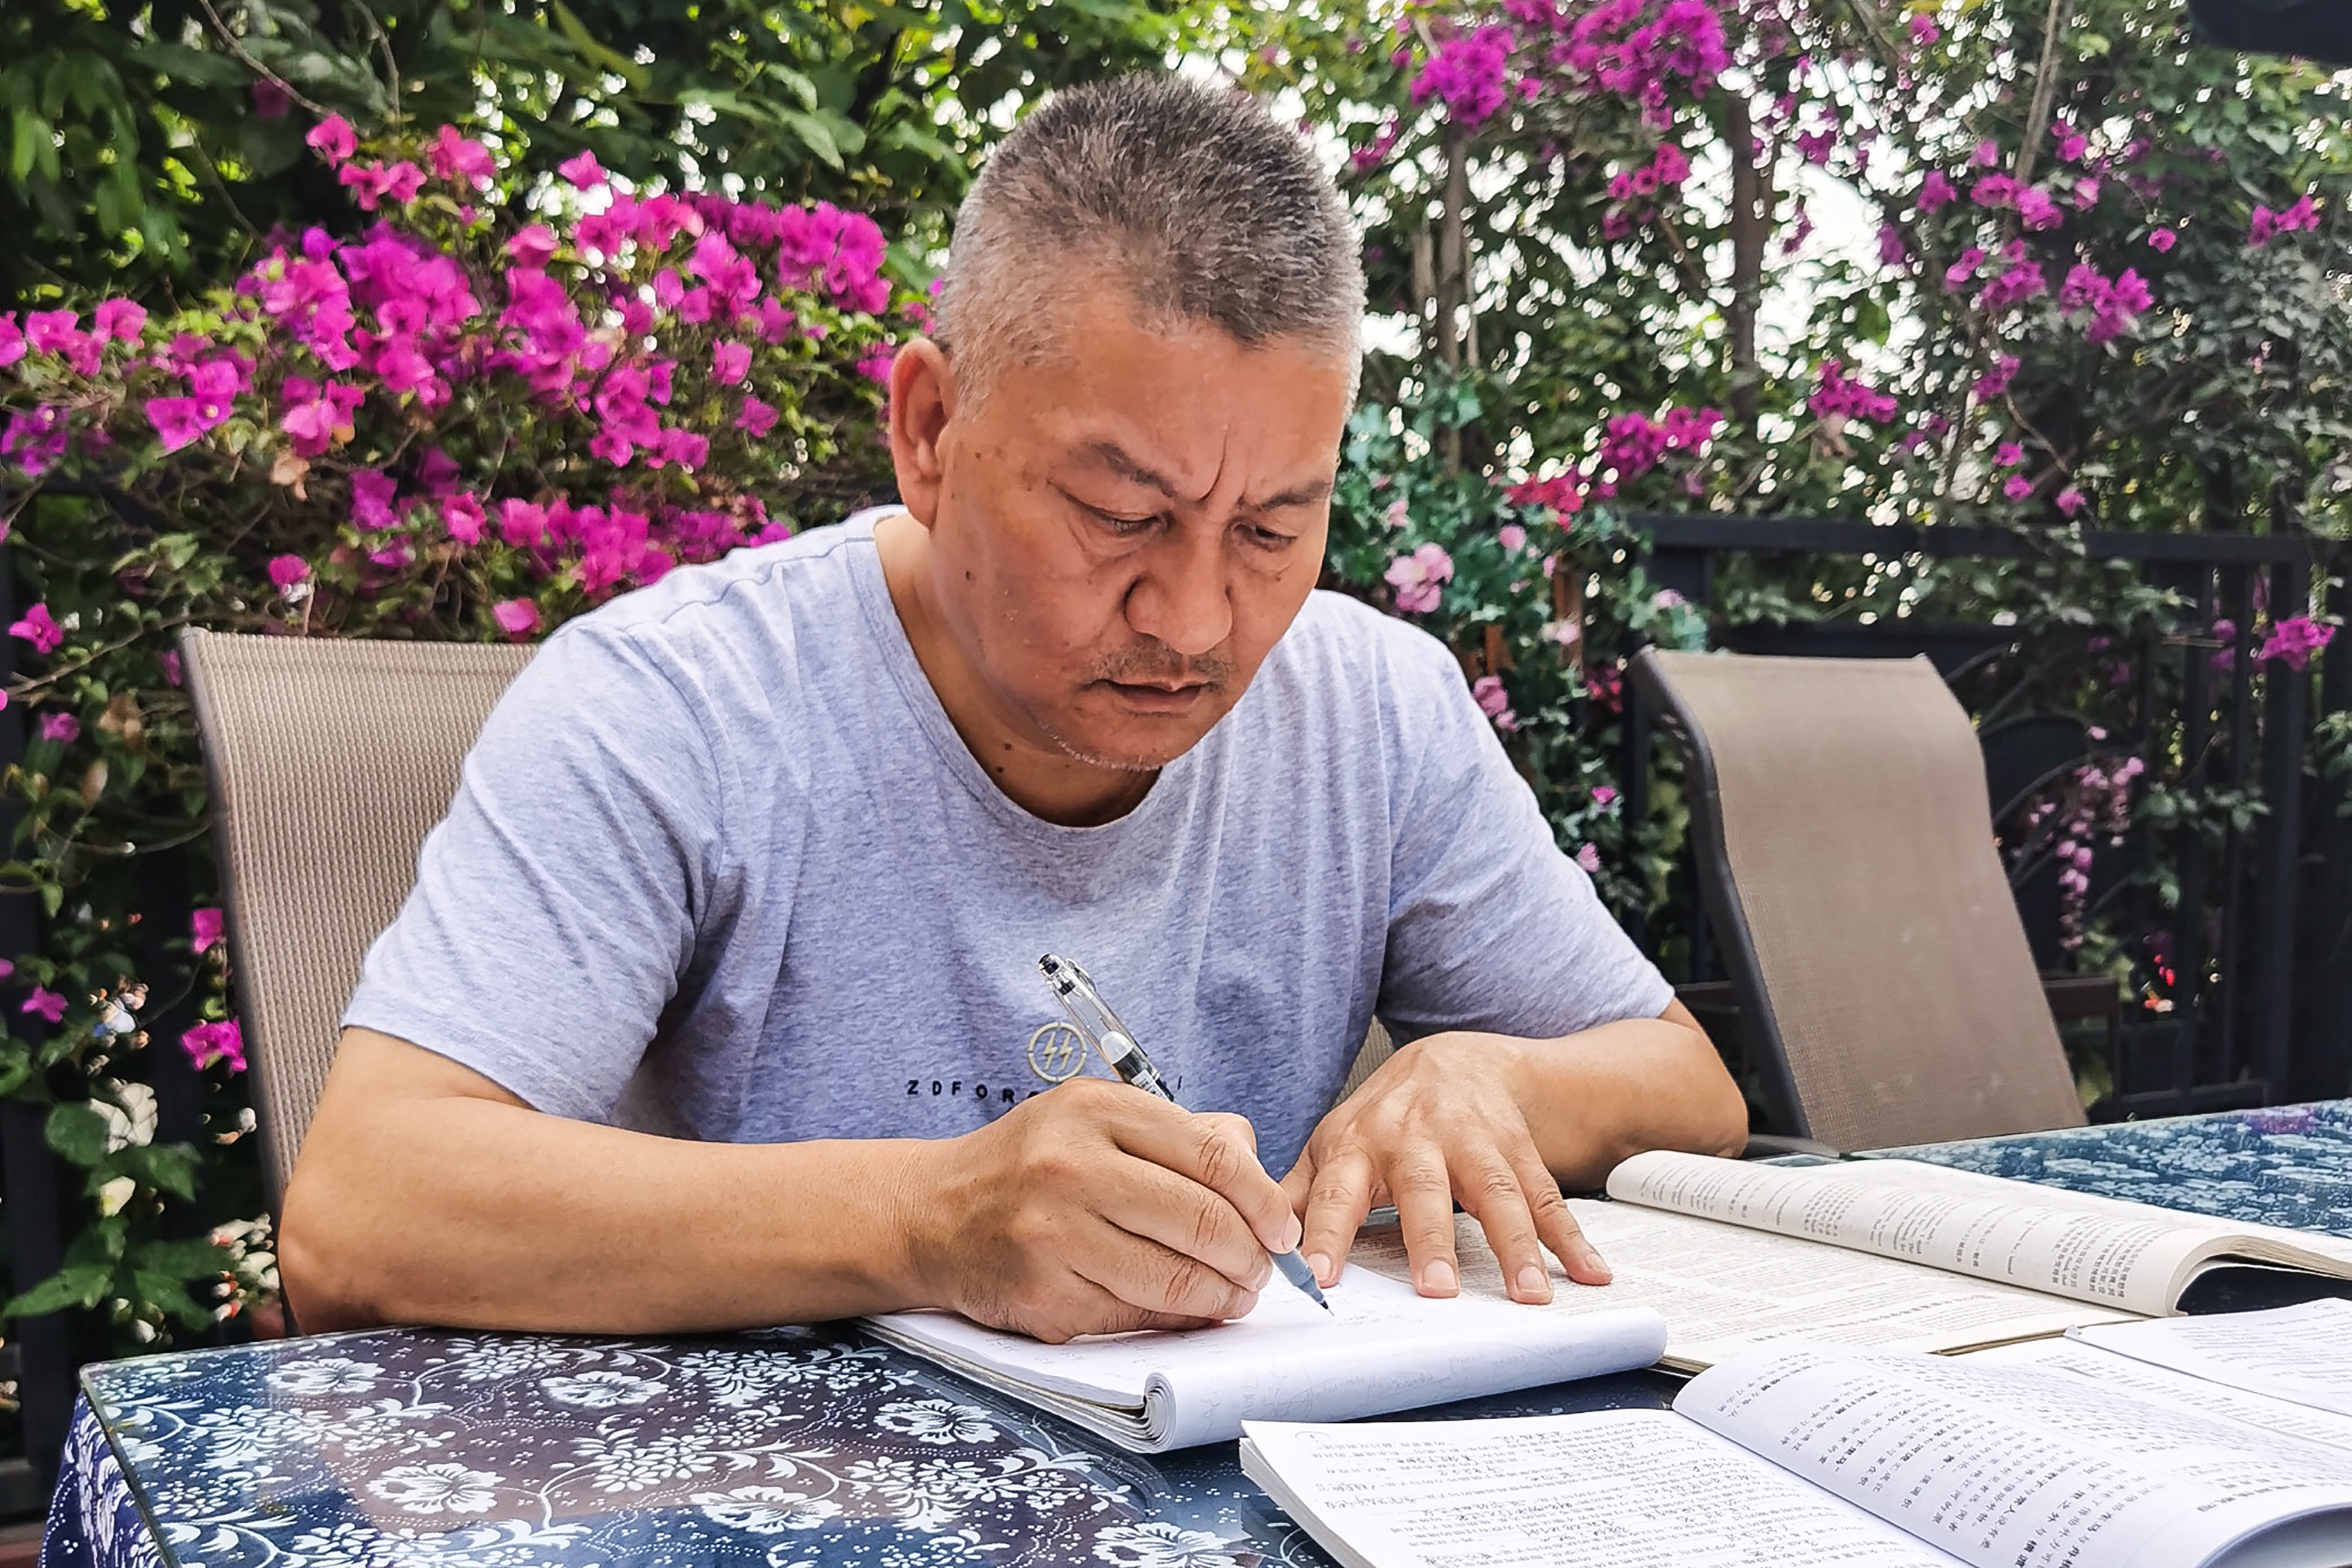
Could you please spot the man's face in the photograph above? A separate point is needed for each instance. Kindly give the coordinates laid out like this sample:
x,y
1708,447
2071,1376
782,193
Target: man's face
x,y
1118,536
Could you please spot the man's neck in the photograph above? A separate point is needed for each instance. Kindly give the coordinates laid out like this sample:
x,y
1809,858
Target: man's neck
x,y
1041,778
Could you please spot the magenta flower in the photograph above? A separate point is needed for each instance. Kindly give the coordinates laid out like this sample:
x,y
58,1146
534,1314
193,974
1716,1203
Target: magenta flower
x,y
464,519
120,320
1420,578
209,1042
374,498
1512,537
460,158
40,628
2268,224
1994,191
332,139
532,246
181,421
61,727
2162,239
1836,397
45,1002
518,618
1956,275
205,926
2010,455
12,341
757,418
2017,487
1589,859
1467,74
582,170
1604,796
1924,30
1987,155
2037,209
730,363
2086,193
1894,250
2070,500
2294,641
1936,191
286,570
1996,381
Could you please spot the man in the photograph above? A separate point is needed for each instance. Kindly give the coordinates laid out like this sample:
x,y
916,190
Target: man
x,y
772,848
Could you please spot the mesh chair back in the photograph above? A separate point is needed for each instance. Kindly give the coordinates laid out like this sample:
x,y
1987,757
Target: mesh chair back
x,y
1846,846
330,761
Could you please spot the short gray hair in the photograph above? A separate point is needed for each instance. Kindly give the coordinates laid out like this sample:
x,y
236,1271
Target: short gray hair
x,y
1203,204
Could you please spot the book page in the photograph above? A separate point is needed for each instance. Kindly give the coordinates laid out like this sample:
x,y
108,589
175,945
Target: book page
x,y
2302,1355
2133,1263
2334,1251
1381,1347
2014,1467
1589,1489
2145,1380
1724,1290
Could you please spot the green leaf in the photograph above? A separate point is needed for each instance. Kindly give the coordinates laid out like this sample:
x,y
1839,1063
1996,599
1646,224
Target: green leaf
x,y
81,1287
77,1133
577,34
814,136
190,1258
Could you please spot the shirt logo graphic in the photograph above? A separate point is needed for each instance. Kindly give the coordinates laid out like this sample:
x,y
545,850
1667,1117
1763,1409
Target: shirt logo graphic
x,y
1056,1053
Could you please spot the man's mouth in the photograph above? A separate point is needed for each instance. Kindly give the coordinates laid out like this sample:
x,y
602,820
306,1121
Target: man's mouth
x,y
1156,696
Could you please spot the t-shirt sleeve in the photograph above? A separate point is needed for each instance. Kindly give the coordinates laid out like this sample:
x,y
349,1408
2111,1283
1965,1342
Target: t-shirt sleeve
x,y
1491,927
555,910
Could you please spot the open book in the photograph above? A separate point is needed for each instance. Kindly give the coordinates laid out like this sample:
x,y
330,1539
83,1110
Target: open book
x,y
1879,1252
1381,1348
2055,1455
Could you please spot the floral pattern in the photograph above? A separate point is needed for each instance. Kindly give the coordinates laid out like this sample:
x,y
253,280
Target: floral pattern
x,y
2281,1165
805,1448
794,1449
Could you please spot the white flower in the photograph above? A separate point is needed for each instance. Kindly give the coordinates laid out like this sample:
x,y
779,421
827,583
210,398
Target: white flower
x,y
600,1390
766,1511
333,1374
936,1421
492,1357
436,1489
1160,1545
624,1464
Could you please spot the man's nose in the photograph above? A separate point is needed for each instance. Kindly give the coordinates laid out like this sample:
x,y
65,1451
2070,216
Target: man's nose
x,y
1181,599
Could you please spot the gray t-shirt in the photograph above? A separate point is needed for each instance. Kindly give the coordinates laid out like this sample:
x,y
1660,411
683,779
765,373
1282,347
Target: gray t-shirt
x,y
722,830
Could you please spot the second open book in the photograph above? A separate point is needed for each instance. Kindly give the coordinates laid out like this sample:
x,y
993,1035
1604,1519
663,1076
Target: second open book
x,y
1711,1257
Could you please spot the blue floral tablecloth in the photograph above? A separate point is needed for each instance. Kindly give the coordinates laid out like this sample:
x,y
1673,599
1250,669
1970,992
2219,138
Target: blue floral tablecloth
x,y
797,1448
811,1449
2286,1165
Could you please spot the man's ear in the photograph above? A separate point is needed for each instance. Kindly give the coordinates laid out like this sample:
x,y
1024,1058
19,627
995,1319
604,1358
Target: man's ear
x,y
922,401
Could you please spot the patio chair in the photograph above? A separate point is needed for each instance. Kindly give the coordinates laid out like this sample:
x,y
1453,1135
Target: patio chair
x,y
329,762
1845,852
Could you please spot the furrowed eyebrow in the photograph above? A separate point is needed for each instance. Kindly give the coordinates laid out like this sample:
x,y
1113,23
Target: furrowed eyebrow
x,y
1113,456
1297,496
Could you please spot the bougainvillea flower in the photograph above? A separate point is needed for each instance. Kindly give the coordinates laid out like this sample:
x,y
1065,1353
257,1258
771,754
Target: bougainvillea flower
x,y
205,926
45,1002
209,1042
1420,578
286,570
518,618
62,727
582,170
332,139
2295,640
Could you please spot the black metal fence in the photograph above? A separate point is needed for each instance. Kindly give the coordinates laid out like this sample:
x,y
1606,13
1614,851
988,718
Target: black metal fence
x,y
2259,938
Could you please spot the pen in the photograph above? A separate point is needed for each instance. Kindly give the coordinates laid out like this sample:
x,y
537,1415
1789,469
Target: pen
x,y
1099,1026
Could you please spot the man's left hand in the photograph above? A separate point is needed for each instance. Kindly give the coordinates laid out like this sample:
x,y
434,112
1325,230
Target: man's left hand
x,y
1442,1121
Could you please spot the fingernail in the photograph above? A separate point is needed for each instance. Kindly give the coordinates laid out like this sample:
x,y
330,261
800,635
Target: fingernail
x,y
1293,1236
1320,1265
1437,1278
1592,1263
1534,1285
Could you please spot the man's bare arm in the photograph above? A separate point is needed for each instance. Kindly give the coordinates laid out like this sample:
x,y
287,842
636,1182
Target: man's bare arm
x,y
424,1193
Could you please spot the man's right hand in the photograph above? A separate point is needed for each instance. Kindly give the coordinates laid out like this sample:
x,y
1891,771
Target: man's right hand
x,y
1097,1208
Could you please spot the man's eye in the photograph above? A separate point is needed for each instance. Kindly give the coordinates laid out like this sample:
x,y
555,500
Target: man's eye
x,y
1266,539
1126,527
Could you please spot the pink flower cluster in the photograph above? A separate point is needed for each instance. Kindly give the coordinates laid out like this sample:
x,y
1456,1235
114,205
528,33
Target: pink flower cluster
x,y
1467,74
2294,641
210,1042
634,337
2268,225
2113,306
1494,701
1837,396
1420,578
1621,47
